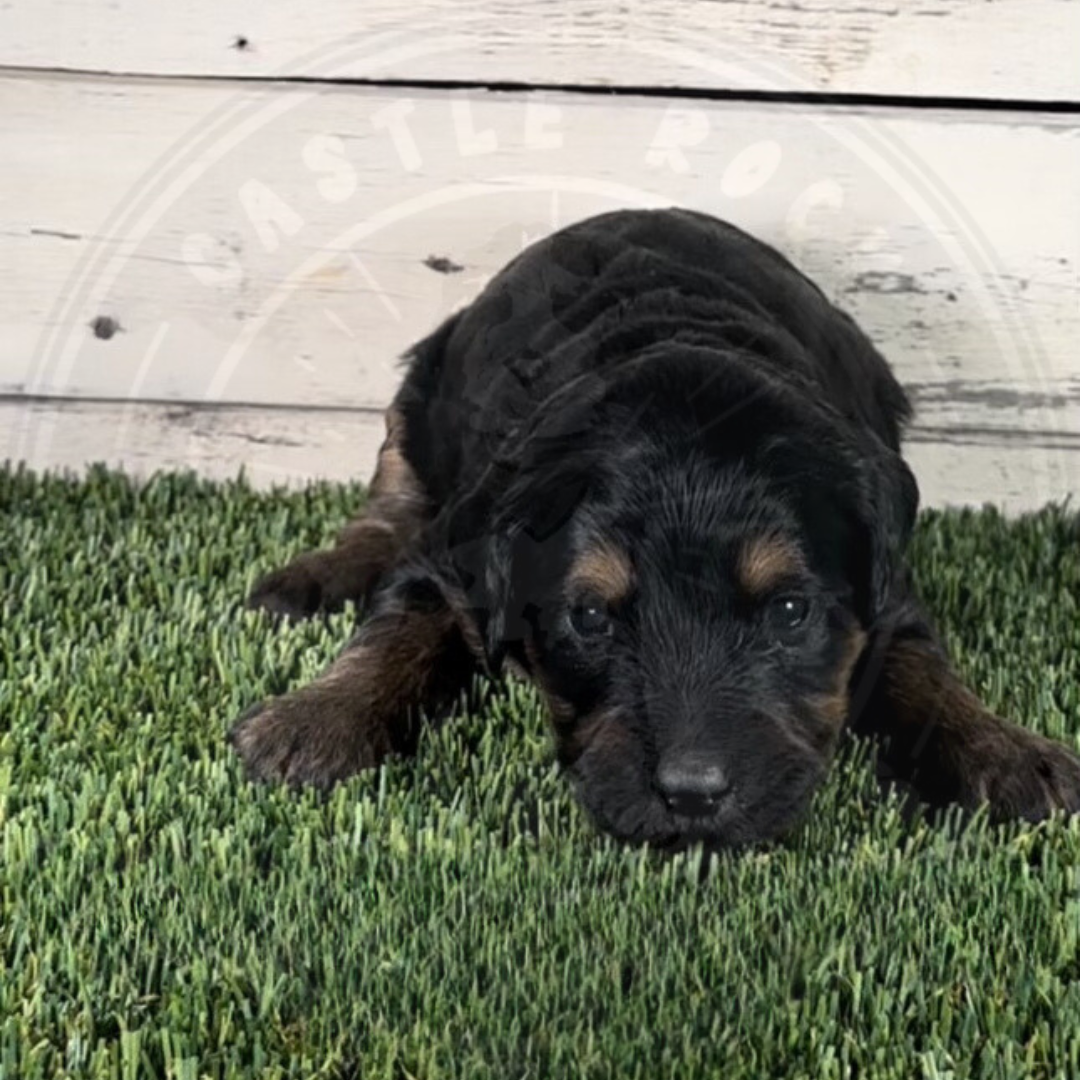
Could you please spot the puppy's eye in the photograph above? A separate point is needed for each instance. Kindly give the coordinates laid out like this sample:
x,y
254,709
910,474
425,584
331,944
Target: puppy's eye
x,y
785,615
590,618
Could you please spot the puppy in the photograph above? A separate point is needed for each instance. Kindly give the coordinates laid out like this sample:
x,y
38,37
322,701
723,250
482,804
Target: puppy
x,y
653,469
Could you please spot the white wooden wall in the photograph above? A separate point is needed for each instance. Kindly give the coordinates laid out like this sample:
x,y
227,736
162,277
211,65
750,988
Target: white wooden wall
x,y
221,222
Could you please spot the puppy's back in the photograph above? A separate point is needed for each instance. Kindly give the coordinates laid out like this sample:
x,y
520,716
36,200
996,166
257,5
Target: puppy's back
x,y
590,296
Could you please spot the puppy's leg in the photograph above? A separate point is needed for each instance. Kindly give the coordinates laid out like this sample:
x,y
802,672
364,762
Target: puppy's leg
x,y
366,548
413,654
938,737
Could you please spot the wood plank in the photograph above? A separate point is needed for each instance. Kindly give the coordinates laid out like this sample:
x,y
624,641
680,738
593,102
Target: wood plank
x,y
1013,476
1016,471
968,48
275,247
272,446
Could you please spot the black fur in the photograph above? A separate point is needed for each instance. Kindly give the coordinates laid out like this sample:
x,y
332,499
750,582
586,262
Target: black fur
x,y
661,384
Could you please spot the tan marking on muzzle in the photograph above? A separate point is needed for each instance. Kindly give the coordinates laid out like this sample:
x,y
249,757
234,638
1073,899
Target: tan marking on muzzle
x,y
833,706
561,711
598,733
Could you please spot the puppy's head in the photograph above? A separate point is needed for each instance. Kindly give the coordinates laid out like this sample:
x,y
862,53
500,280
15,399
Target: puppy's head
x,y
691,598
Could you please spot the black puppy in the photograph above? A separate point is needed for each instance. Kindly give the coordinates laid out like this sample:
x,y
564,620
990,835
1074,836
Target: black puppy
x,y
652,468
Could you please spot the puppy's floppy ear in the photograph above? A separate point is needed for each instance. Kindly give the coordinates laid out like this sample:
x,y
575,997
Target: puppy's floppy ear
x,y
887,502
527,551
507,535
858,500
478,557
507,541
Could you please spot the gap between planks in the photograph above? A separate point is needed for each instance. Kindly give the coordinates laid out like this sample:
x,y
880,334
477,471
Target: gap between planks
x,y
295,446
913,48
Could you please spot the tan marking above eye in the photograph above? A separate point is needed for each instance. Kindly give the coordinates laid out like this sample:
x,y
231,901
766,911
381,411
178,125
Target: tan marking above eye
x,y
766,562
604,570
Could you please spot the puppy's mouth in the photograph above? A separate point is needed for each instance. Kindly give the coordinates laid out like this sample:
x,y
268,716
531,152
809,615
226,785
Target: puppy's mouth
x,y
731,830
745,822
613,783
727,828
648,820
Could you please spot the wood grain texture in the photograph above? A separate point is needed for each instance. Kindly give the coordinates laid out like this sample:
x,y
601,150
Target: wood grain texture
x,y
177,242
292,446
235,270
968,48
272,446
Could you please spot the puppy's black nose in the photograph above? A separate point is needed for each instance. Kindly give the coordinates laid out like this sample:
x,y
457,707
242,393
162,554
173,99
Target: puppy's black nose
x,y
692,785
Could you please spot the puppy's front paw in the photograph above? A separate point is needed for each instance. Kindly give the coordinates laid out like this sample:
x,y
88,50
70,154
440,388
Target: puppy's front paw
x,y
1019,774
306,738
296,591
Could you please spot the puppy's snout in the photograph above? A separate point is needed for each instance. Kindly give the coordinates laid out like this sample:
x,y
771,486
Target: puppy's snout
x,y
692,785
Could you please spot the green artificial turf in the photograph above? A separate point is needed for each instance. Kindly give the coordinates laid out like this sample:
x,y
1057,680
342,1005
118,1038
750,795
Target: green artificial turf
x,y
456,915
